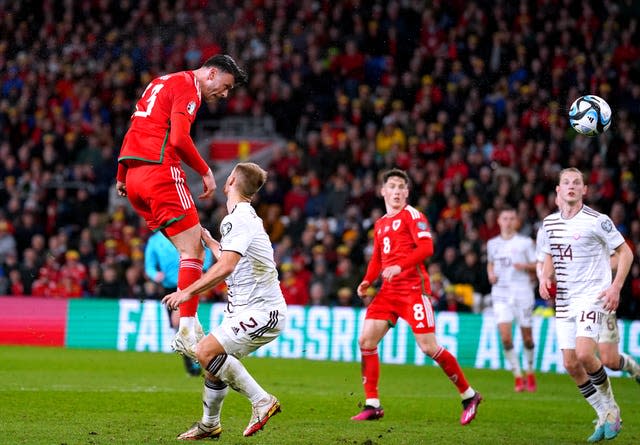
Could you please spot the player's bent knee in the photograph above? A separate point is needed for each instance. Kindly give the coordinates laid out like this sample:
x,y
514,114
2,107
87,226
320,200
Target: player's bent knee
x,y
367,343
202,354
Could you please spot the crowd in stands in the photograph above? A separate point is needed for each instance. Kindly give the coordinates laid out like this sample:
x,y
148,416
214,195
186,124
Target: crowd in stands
x,y
470,97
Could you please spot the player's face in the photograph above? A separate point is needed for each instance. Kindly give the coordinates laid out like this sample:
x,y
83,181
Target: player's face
x,y
507,222
571,188
217,85
395,193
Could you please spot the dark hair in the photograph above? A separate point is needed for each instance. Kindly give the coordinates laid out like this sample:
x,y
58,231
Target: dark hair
x,y
226,63
395,172
507,208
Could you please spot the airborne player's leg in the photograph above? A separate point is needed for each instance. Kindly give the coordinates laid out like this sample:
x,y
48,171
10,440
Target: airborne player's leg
x,y
190,270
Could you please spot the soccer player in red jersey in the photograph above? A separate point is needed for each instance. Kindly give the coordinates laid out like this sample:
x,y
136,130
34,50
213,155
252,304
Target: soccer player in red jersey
x,y
402,242
150,173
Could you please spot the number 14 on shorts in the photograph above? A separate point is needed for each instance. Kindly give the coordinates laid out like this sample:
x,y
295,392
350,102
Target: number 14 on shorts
x,y
593,316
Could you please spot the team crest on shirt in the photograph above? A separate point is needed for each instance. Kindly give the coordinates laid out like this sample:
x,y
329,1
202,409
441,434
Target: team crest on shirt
x,y
606,225
191,107
225,228
396,224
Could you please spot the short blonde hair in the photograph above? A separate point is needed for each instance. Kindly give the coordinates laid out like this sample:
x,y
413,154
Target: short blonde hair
x,y
252,177
571,170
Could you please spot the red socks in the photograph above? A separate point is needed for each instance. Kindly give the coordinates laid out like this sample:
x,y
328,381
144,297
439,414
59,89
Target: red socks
x,y
190,270
451,367
370,372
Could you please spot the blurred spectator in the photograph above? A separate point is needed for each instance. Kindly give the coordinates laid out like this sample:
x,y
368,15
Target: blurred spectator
x,y
294,288
7,241
452,301
318,294
452,91
110,286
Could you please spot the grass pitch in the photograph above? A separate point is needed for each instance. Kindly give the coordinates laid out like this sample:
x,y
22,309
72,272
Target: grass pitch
x,y
63,396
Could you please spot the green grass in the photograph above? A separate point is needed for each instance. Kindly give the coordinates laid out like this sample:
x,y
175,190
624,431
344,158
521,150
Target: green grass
x,y
62,396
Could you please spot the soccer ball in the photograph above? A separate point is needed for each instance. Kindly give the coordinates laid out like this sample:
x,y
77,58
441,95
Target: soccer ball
x,y
590,115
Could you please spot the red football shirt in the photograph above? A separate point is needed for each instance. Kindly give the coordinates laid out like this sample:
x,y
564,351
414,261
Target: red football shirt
x,y
148,136
395,239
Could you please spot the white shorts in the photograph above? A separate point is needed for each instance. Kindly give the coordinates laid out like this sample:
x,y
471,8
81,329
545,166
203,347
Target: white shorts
x,y
242,333
521,311
582,323
609,330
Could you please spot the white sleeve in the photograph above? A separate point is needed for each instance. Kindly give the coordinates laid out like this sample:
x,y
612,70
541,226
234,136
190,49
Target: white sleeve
x,y
608,233
490,251
236,235
542,244
531,252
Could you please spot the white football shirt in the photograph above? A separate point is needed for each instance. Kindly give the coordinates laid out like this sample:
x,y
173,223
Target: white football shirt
x,y
254,282
504,253
580,248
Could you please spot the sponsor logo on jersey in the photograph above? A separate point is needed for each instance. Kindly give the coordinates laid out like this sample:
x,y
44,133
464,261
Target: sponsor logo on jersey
x,y
225,228
235,330
606,226
191,107
395,224
420,325
576,236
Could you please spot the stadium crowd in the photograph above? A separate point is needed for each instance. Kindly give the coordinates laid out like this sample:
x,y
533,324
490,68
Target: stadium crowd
x,y
469,97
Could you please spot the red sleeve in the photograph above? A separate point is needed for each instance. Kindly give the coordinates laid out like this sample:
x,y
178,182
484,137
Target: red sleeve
x,y
419,229
423,250
375,264
180,138
122,172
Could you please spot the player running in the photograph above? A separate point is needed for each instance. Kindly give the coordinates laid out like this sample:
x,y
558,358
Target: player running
x,y
402,242
577,245
510,259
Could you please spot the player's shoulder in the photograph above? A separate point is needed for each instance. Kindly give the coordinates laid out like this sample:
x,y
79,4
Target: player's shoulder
x,y
410,212
181,80
589,213
522,238
244,215
493,240
550,219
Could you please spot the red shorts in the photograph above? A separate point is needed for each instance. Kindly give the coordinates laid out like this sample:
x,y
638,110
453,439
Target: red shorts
x,y
159,194
412,306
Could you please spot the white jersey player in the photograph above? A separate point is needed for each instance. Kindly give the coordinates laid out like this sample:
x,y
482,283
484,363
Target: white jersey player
x,y
256,309
577,245
510,261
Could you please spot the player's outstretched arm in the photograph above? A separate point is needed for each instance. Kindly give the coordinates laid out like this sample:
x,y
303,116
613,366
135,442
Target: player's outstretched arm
x,y
218,272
